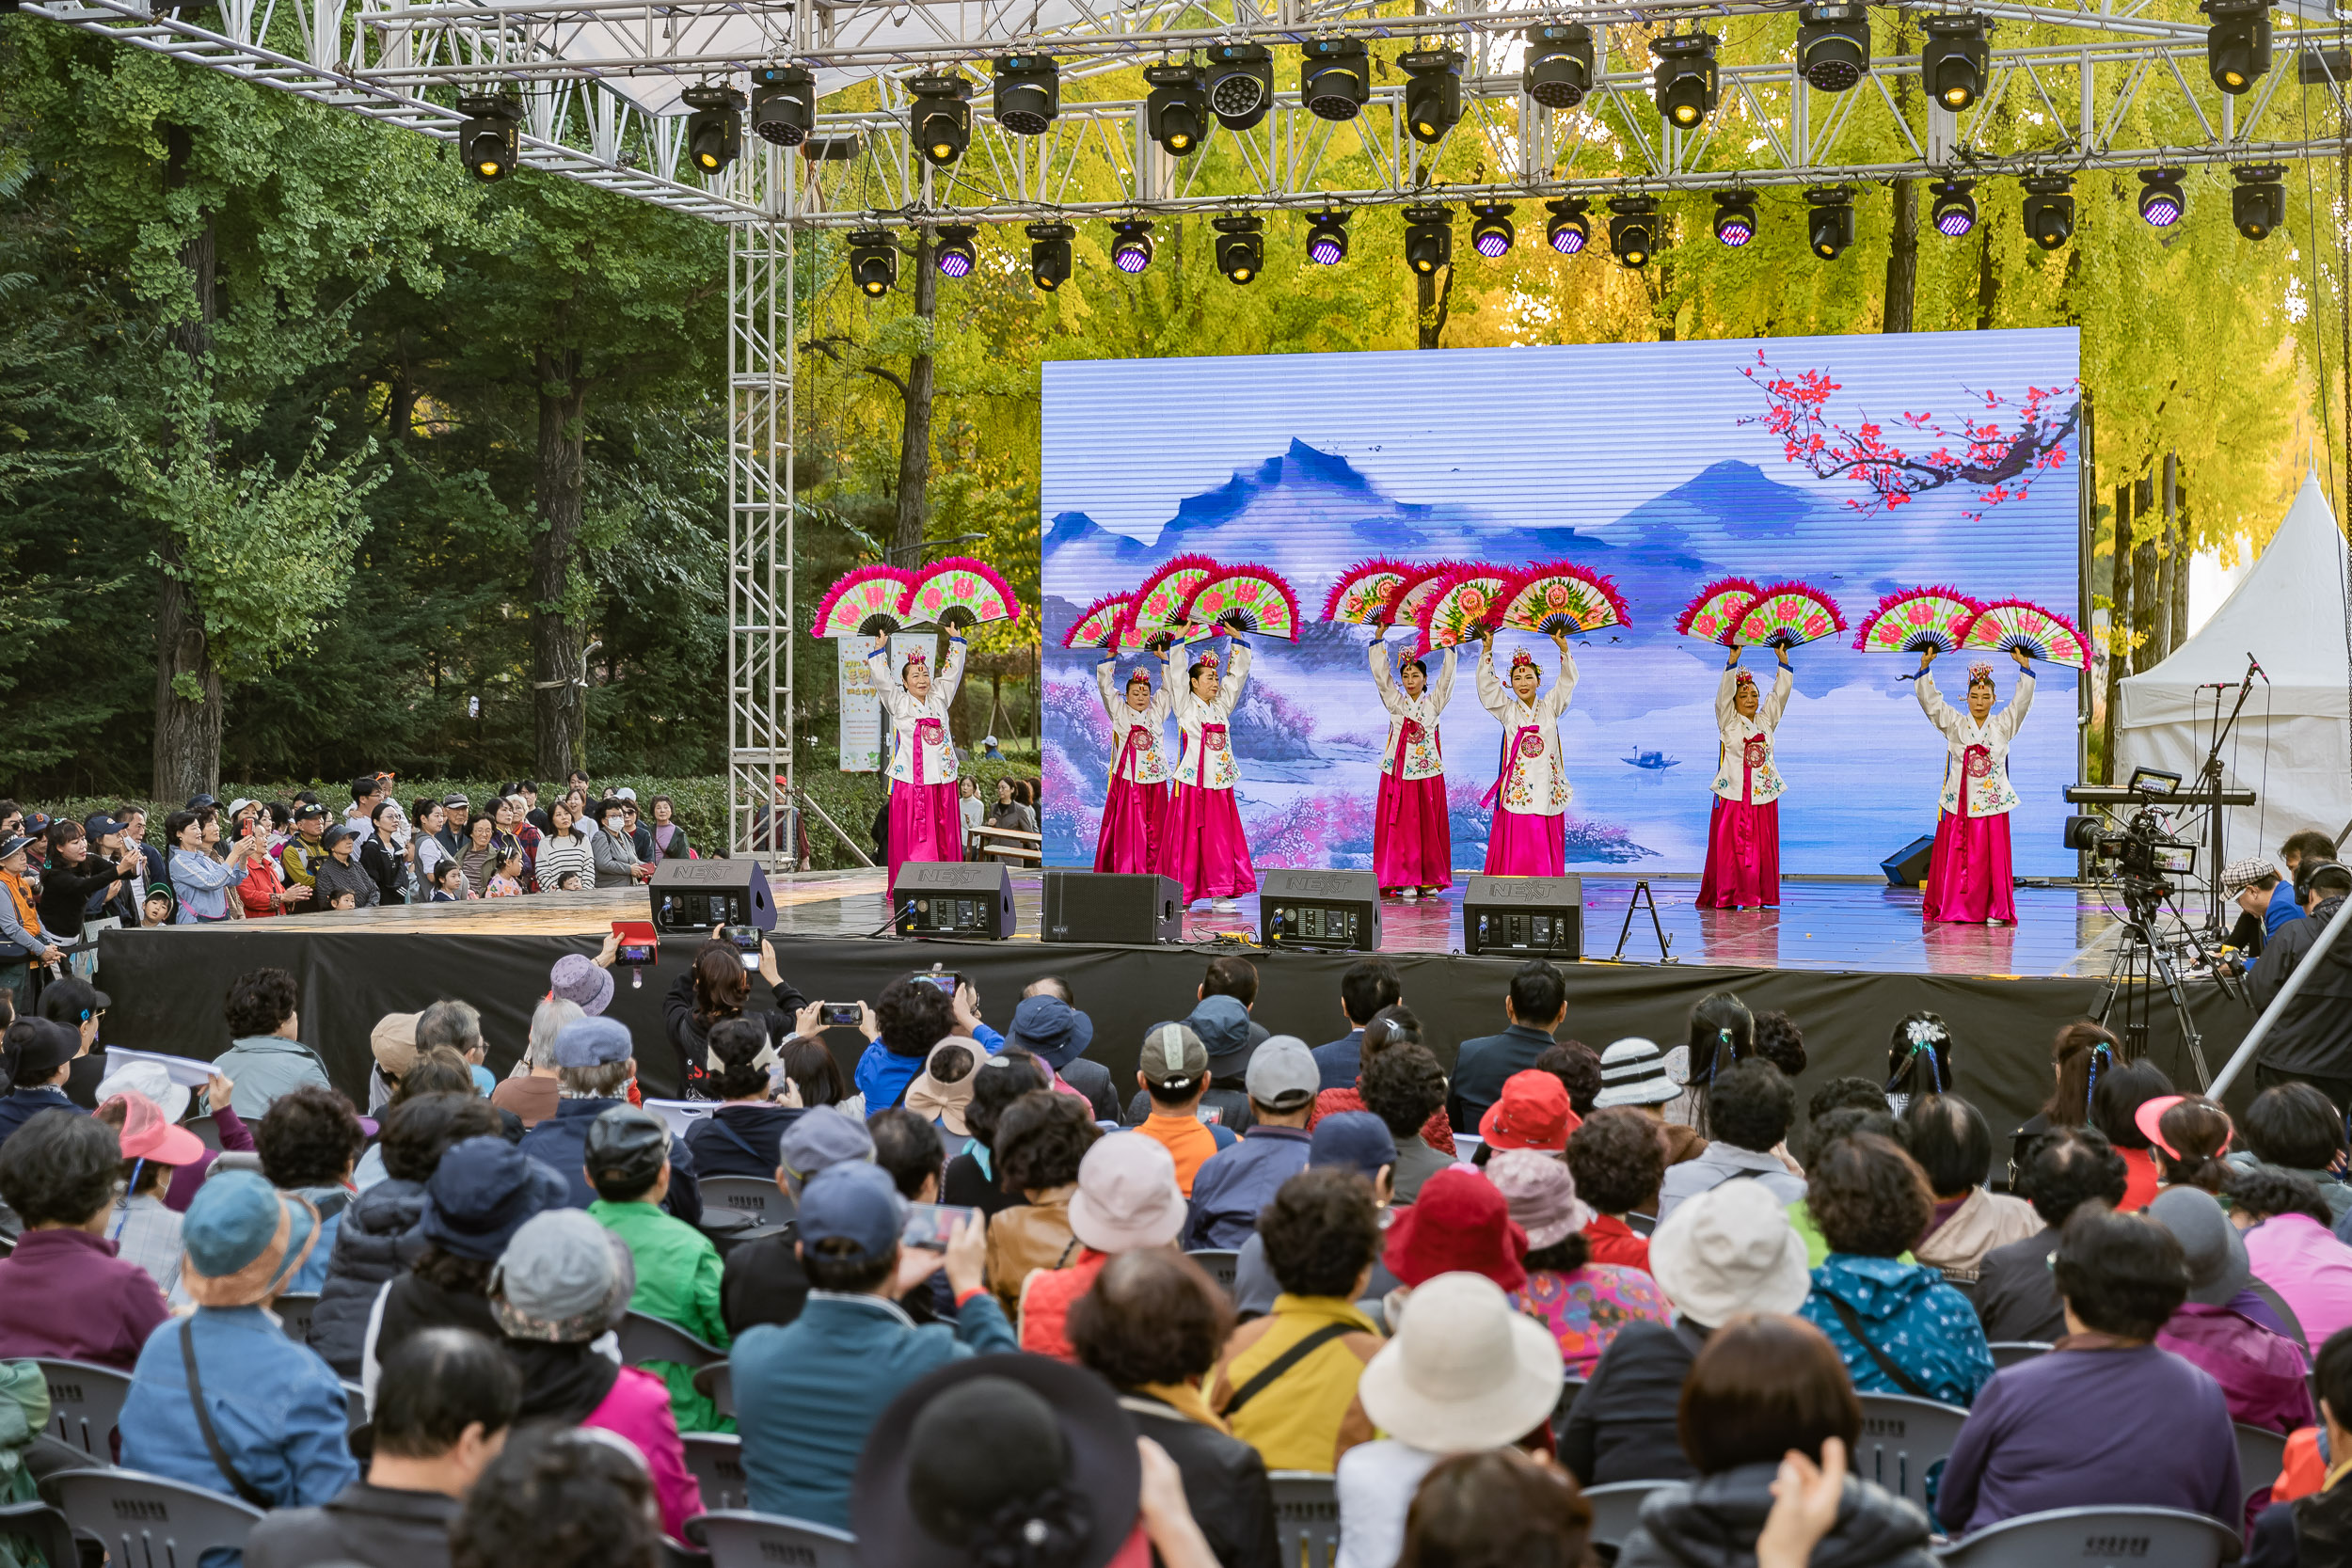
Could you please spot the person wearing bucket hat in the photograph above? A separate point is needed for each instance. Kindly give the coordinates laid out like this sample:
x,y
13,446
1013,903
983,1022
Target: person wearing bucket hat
x,y
1127,1199
1049,1026
2262,1372
1464,1371
144,1231
1532,1114
583,981
223,1399
65,1294
595,1061
677,1267
1725,1252
1584,1304
1461,1222
1635,1073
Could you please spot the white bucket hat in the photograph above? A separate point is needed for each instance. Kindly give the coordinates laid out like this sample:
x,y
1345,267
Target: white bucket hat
x,y
1465,1372
1730,1250
152,1079
1127,1196
1634,1072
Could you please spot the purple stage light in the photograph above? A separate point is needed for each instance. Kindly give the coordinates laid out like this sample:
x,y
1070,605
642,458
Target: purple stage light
x,y
1132,260
1491,246
2161,210
1326,253
1953,223
1735,233
1566,241
955,264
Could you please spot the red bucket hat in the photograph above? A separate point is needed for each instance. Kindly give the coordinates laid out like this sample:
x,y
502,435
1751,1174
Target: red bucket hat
x,y
1460,1224
1532,1114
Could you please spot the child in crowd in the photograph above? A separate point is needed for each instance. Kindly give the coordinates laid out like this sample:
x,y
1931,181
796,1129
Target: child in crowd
x,y
449,884
507,881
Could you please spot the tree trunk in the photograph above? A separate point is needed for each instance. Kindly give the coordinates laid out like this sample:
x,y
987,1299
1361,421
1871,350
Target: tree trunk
x,y
1988,280
2167,569
2144,536
1434,305
2181,536
559,678
2119,620
1902,262
915,431
189,704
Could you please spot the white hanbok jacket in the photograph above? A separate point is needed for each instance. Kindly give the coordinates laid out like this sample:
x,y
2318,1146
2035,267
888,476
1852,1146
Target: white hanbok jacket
x,y
1412,720
1744,755
1536,775
920,750
1208,762
1978,753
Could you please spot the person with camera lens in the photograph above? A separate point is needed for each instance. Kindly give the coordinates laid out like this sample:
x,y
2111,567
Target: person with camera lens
x,y
2311,1042
1970,878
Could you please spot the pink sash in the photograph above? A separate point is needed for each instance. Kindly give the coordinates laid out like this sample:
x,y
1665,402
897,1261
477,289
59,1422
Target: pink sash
x,y
1200,763
1134,740
926,733
1971,760
1518,737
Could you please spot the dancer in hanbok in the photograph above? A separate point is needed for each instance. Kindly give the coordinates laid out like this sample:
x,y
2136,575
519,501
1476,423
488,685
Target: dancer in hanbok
x,y
1412,848
1201,842
925,821
1743,829
1530,793
1136,813
1968,875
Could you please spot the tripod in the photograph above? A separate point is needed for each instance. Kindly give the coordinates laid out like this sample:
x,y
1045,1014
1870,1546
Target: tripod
x,y
2141,964
2209,781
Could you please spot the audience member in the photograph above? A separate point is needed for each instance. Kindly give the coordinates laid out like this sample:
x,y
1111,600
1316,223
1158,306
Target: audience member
x,y
1496,1507
2292,1250
64,1293
392,1043
2016,1298
445,1405
1232,1186
1532,1114
716,988
308,1143
1462,1224
2298,1130
1618,1158
1351,1140
456,1026
1583,1303
1174,1075
1226,1033
907,1147
1286,1384
1232,974
2191,1135
1368,986
2312,1527
2312,1040
1722,1033
143,1228
1764,1387
739,1137
2263,1373
1464,1372
559,1497
971,1180
595,1065
1919,1060
37,1055
2070,1429
1952,1143
1391,1026
2115,1111
265,1056
678,1268
1048,1027
80,1006
1779,1041
1535,1007
2081,1054
1403,1086
1633,1072
1577,1068
1126,1201
911,1017
1834,1127
1039,1141
1748,1113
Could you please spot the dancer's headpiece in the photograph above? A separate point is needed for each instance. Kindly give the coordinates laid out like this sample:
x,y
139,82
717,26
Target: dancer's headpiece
x,y
1744,678
1205,659
917,656
1408,659
1523,658
1979,674
1139,674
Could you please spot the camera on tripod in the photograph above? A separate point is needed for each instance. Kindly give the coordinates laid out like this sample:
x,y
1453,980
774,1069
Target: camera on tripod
x,y
2142,849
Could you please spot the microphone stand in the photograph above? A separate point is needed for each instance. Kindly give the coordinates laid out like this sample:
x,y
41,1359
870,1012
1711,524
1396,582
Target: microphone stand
x,y
2209,781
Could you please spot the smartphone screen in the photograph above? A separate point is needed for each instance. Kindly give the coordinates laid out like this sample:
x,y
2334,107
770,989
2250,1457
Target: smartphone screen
x,y
948,983
838,1014
929,1224
635,953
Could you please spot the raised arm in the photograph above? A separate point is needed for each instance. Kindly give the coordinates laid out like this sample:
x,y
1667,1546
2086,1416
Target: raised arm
x,y
1228,690
1103,682
1384,673
1442,689
1726,689
1932,702
1556,699
2020,700
950,671
1493,695
894,696
1776,701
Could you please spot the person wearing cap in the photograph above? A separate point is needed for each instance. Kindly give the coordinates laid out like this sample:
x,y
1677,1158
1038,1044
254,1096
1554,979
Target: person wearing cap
x,y
1127,1199
340,873
1233,1185
1048,1026
1230,1037
1366,987
66,1294
2312,1040
144,1228
37,1054
1535,1009
1350,1140
2263,1373
1174,1071
1584,1304
20,915
763,1281
1727,1252
82,1007
1634,1072
451,833
1465,1372
809,1392
106,843
223,1399
265,1057
678,1269
394,1045
595,1063
1750,1109
2251,883
299,856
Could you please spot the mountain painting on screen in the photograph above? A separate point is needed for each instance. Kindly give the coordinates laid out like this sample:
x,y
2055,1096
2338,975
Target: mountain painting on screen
x,y
1656,464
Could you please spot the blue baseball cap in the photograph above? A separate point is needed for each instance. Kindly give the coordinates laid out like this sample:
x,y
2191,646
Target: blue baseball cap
x,y
1352,1140
481,1194
592,1041
856,1203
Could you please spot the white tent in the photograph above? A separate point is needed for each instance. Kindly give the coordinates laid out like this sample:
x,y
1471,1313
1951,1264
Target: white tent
x,y
2293,743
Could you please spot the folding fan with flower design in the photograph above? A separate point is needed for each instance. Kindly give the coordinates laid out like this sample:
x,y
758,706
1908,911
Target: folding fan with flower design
x,y
1158,604
1099,623
1405,610
1467,600
1788,616
871,600
958,590
1245,598
2044,634
1561,597
1915,619
1713,613
1362,594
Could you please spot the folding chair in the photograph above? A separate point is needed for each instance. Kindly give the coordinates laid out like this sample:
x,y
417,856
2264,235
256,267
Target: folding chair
x,y
355,1406
1570,1387
645,1338
1617,1508
716,1459
2097,1538
148,1522
738,1538
1901,1437
204,1127
293,1314
2009,1352
716,1383
46,1528
2262,1453
763,1201
1220,1261
1305,1517
85,1406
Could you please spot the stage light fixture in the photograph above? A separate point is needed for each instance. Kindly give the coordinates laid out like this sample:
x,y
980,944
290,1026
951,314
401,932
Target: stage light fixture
x,y
1241,84
714,132
2162,203
1131,245
1240,246
2238,45
953,255
2259,205
1176,114
1027,92
939,116
1832,45
1428,237
2049,209
1829,226
1955,210
1335,77
1686,85
784,103
1559,68
1327,237
873,262
1433,92
1735,217
1049,254
1490,231
1568,232
489,139
1955,58
1633,230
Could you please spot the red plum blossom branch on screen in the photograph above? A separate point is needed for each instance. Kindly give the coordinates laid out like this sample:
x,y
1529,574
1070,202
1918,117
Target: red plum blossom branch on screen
x,y
1997,450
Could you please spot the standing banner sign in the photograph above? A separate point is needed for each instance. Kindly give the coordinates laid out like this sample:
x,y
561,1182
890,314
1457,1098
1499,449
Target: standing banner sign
x,y
865,731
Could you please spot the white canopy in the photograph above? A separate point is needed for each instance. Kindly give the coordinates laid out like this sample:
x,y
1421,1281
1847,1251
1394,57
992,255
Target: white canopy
x,y
2293,744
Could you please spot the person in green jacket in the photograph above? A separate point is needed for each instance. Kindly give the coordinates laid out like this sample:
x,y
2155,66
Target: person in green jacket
x,y
678,1268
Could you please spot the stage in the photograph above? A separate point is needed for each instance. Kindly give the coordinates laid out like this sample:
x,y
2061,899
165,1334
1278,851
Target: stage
x,y
1846,960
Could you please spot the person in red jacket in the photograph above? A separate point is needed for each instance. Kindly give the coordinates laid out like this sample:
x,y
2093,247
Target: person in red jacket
x,y
264,891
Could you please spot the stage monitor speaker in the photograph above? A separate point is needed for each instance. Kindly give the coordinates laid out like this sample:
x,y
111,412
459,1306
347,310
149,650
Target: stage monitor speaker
x,y
1108,906
1336,911
694,895
955,898
1540,916
1908,865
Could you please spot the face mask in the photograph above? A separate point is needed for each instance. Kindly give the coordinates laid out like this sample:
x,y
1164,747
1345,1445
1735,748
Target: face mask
x,y
612,824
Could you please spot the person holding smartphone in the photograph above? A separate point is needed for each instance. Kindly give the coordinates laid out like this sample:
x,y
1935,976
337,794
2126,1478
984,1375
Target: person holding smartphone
x,y
716,988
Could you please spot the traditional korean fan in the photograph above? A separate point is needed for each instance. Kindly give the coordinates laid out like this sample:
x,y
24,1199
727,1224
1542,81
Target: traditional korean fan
x,y
1713,613
1917,618
870,601
1248,598
1787,615
1561,596
958,590
1467,600
1362,594
1158,605
1405,610
1100,625
2007,624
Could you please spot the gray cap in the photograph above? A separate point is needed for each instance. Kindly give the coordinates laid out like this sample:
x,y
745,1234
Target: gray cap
x,y
1283,1073
821,1137
592,1042
564,1278
2214,1248
1173,1057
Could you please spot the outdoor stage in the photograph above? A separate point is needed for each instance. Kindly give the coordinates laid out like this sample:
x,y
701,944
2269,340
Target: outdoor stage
x,y
1846,960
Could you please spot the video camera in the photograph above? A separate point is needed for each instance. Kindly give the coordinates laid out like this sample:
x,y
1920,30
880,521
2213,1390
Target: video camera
x,y
2141,849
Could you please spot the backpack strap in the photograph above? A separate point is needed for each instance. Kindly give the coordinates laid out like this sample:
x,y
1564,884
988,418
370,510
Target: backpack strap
x,y
1273,1370
1852,1321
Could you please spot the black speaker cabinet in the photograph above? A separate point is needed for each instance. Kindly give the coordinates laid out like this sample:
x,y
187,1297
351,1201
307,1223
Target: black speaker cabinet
x,y
1336,911
1540,916
1108,906
972,899
1908,865
691,894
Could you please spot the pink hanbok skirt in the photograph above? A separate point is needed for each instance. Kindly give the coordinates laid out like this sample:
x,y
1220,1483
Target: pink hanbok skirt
x,y
1968,875
1742,856
1204,847
1134,818
1411,843
1525,844
924,824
